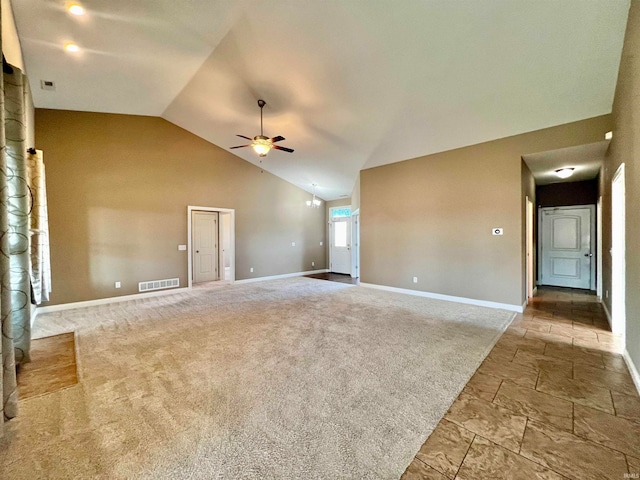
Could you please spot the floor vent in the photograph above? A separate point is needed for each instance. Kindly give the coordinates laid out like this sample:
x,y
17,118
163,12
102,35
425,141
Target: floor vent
x,y
158,284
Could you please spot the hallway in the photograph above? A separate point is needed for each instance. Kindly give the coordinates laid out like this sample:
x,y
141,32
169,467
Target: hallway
x,y
553,399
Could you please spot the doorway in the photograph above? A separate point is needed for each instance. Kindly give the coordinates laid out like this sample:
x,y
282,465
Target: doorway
x,y
205,246
567,236
618,228
340,240
210,244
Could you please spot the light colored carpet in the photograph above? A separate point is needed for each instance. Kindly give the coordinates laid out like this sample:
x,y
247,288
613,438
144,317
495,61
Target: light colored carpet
x,y
294,378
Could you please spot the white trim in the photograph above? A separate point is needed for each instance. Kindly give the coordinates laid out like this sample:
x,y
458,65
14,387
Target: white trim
x,y
599,246
284,275
606,312
633,370
105,301
192,208
448,298
535,291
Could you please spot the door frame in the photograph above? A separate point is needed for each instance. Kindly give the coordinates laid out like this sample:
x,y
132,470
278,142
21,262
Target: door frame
x,y
331,236
232,253
599,248
592,234
618,266
355,243
529,268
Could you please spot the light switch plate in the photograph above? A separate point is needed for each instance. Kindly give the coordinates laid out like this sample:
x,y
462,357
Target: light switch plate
x,y
182,247
321,243
498,231
293,244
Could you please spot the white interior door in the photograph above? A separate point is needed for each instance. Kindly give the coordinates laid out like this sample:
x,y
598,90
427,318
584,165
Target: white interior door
x,y
340,247
618,229
205,246
566,247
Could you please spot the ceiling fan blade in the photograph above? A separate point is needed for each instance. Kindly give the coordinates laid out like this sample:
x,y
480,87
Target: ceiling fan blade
x,y
284,149
277,139
241,146
242,136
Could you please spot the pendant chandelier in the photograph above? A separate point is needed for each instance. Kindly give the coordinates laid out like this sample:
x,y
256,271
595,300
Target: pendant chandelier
x,y
314,202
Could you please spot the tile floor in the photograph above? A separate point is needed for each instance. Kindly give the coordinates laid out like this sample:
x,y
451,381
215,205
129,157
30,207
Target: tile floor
x,y
553,400
52,367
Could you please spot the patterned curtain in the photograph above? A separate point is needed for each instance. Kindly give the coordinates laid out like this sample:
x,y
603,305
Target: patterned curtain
x,y
22,213
39,223
8,371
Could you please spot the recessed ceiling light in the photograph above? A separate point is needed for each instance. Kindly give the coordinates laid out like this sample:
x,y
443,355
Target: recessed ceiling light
x,y
565,172
75,9
608,135
71,47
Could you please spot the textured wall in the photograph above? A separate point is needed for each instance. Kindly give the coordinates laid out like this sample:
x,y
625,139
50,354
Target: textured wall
x,y
625,148
119,187
432,216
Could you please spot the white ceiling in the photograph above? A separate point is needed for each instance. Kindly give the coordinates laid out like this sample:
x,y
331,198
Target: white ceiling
x,y
351,84
585,159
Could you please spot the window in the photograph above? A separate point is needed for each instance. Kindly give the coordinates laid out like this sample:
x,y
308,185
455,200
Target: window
x,y
340,234
340,212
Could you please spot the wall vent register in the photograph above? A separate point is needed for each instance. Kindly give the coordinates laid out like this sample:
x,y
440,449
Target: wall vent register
x,y
158,284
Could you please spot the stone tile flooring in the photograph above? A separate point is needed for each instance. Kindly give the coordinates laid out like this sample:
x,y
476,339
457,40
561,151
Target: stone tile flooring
x,y
553,400
52,367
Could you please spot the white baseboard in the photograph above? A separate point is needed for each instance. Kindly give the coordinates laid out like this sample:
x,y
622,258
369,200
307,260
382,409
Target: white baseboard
x,y
534,291
449,298
633,370
104,301
607,314
284,275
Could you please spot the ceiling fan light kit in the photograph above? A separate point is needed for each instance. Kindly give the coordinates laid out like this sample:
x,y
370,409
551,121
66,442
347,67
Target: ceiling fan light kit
x,y
262,145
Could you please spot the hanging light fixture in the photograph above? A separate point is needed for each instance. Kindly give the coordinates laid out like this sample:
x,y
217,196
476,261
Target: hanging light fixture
x,y
565,172
314,202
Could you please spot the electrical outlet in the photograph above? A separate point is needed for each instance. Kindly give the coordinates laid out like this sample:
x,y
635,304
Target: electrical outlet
x,y
313,264
321,243
293,244
118,284
606,293
251,270
415,279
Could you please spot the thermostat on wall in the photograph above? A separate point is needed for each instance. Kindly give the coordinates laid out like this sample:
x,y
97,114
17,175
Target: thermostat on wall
x,y
498,231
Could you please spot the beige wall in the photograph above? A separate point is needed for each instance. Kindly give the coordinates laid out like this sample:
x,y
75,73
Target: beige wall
x,y
625,148
119,187
432,216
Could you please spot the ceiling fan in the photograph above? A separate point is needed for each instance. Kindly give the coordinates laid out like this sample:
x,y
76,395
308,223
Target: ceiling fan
x,y
262,144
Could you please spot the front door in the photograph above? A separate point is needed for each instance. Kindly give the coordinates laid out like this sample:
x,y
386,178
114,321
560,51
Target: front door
x,y
566,247
340,246
205,246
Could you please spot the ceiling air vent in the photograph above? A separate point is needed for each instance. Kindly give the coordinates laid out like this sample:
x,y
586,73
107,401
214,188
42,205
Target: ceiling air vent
x,y
48,85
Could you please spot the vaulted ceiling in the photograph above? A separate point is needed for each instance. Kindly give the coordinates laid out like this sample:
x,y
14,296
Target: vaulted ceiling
x,y
351,84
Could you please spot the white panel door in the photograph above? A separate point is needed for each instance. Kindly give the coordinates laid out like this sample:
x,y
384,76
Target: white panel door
x,y
341,245
205,246
566,247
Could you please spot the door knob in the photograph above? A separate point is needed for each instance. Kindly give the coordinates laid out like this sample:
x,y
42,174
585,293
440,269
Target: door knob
x,y
588,254
197,251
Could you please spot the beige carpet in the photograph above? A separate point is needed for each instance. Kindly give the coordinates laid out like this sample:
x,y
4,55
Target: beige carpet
x,y
295,378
